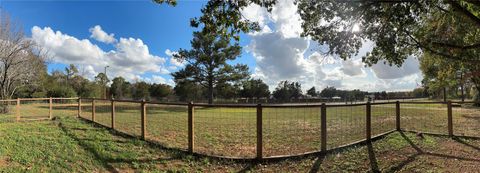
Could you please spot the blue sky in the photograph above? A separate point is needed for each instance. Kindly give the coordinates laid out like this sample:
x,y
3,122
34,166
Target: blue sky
x,y
135,39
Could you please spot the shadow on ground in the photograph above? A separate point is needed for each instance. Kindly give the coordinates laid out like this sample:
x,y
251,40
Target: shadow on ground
x,y
408,152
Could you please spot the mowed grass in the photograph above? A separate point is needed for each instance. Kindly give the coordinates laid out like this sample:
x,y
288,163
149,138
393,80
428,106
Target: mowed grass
x,y
68,144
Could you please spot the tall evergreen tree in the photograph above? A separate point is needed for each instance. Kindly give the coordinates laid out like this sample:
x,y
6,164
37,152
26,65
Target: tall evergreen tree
x,y
207,61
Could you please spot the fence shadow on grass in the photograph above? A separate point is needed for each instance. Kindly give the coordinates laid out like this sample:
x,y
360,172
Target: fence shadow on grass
x,y
318,162
420,152
107,161
372,158
459,140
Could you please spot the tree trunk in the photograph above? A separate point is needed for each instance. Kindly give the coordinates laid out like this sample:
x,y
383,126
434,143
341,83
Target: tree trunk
x,y
210,90
210,94
444,94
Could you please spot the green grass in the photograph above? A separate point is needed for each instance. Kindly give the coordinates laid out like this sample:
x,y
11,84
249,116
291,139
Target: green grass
x,y
68,144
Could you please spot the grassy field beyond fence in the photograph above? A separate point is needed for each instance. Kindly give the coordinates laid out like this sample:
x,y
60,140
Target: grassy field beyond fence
x,y
232,131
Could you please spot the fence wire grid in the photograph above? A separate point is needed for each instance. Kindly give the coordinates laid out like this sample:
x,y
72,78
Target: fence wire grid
x,y
232,130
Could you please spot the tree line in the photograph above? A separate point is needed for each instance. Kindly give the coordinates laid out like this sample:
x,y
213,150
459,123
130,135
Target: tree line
x,y
437,32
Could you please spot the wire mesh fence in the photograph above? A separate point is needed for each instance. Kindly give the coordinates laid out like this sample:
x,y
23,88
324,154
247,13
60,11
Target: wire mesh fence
x,y
128,117
103,112
225,131
345,125
244,131
383,118
424,117
86,109
466,120
8,111
168,125
291,130
64,106
31,109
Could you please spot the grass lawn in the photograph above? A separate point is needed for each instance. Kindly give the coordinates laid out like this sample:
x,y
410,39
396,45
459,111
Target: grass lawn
x,y
68,144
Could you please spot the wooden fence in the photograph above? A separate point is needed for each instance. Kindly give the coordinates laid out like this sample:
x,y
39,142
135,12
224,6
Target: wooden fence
x,y
24,109
261,122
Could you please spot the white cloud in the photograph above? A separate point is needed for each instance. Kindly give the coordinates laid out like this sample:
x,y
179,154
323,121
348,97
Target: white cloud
x,y
173,61
130,58
280,58
281,54
352,68
385,71
98,34
286,18
255,13
156,79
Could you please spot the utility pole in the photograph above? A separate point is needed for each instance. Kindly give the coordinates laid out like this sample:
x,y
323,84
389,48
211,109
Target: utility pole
x,y
105,86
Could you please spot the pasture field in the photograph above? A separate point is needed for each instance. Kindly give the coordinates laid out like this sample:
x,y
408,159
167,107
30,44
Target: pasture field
x,y
286,131
68,144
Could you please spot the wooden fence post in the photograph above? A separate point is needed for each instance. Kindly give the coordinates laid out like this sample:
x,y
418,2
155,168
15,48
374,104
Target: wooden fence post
x,y
18,109
50,108
113,113
259,132
369,121
144,119
79,114
190,127
323,127
397,113
450,118
93,110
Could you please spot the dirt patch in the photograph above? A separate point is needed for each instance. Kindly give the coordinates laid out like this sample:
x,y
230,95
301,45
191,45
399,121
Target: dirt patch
x,y
4,162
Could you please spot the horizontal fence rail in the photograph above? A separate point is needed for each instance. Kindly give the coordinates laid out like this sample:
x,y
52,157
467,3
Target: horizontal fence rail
x,y
26,109
256,131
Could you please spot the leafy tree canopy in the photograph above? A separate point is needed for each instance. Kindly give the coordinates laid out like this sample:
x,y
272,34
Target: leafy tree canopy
x,y
398,28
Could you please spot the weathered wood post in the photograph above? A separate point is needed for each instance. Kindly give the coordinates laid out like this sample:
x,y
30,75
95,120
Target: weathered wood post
x,y
323,127
259,132
190,127
369,121
144,119
93,110
18,109
50,108
450,118
113,112
397,113
79,108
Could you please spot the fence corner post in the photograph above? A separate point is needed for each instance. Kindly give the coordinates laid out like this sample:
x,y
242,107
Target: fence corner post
x,y
50,104
190,127
259,132
368,121
18,110
113,112
79,114
450,118
397,115
144,119
93,110
323,128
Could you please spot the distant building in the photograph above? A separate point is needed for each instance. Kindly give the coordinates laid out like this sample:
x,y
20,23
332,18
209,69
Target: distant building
x,y
336,98
370,97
